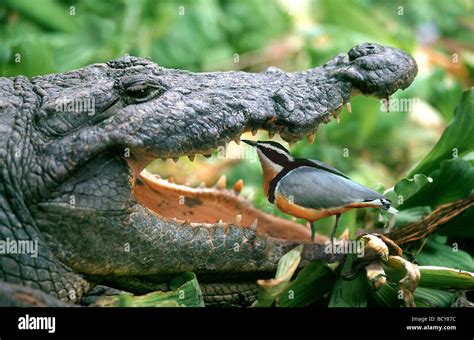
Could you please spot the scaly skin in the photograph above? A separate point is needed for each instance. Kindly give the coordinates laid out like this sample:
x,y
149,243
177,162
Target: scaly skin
x,y
68,174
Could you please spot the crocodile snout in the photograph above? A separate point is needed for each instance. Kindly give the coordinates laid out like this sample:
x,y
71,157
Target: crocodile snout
x,y
379,70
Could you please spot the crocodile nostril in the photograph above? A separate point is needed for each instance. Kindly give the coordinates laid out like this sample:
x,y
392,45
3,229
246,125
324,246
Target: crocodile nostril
x,y
364,50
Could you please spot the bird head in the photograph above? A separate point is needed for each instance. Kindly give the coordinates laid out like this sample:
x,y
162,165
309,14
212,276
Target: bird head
x,y
273,156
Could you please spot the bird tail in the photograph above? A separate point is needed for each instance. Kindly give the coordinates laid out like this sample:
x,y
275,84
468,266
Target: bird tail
x,y
392,210
387,206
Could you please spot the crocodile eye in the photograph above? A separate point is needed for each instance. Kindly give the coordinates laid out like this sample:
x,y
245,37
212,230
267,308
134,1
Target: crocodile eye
x,y
140,90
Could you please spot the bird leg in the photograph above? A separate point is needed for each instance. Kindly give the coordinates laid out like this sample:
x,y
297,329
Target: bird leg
x,y
313,230
334,229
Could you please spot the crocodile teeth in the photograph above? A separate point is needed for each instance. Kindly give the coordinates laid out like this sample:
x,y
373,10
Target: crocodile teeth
x,y
271,134
254,132
238,186
175,159
191,158
253,225
348,107
238,220
310,138
221,182
171,179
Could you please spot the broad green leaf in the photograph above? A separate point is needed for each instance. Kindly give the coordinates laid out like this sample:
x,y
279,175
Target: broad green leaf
x,y
349,293
47,13
410,277
288,262
312,283
406,188
34,55
353,18
427,297
456,228
385,296
437,253
410,215
388,296
271,290
446,278
457,138
452,181
185,293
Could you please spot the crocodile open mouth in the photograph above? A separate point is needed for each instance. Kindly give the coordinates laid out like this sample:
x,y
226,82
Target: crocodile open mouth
x,y
290,104
221,203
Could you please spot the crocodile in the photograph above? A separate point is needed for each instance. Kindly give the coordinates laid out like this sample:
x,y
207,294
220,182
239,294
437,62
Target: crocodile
x,y
73,147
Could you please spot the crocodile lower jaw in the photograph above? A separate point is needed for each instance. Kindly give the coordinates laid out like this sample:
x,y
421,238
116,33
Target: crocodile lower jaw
x,y
215,205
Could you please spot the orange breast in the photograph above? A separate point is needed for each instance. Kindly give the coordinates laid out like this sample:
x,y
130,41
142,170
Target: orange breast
x,y
268,174
311,214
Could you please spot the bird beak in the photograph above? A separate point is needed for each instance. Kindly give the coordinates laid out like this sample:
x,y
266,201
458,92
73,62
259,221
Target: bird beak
x,y
249,142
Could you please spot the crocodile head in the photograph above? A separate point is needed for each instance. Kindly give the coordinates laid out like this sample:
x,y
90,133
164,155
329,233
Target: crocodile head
x,y
75,145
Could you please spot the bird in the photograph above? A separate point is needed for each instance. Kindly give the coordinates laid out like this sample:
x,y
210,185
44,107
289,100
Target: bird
x,y
310,189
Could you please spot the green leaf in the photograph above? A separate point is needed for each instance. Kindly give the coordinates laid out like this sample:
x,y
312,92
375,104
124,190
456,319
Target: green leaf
x,y
406,188
456,228
47,13
457,137
446,278
185,293
452,181
427,297
410,215
271,290
312,283
437,253
385,296
288,262
349,293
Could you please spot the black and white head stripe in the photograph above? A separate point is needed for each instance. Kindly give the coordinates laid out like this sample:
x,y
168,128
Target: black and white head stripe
x,y
275,152
273,145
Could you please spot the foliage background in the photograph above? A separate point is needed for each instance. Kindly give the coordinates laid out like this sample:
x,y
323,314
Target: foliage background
x,y
373,147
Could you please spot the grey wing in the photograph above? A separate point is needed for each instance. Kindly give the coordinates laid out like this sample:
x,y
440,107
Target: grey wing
x,y
315,188
327,166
